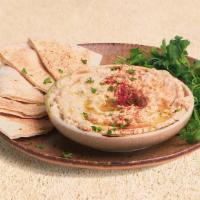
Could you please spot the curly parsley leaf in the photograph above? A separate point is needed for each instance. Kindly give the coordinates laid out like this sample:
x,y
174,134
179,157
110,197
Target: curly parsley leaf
x,y
172,57
136,57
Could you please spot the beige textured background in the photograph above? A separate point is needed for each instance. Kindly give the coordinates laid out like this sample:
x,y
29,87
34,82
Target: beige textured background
x,y
78,21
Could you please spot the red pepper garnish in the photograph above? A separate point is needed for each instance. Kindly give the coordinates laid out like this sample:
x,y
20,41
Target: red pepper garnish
x,y
126,96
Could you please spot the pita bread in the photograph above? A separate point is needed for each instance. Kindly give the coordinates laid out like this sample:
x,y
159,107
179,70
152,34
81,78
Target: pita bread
x,y
20,109
14,127
62,59
25,60
14,86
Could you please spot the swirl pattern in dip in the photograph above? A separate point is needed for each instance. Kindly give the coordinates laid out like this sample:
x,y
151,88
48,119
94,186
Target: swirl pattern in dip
x,y
121,100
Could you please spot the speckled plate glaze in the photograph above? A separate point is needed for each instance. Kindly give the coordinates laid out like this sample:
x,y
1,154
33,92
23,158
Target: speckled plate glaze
x,y
53,144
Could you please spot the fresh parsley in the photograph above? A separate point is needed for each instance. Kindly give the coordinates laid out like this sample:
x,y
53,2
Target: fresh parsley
x,y
47,80
84,61
24,71
85,115
89,80
132,79
110,88
109,132
67,154
130,71
136,57
60,71
93,90
172,57
96,128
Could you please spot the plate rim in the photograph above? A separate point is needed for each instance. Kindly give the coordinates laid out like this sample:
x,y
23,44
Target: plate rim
x,y
96,164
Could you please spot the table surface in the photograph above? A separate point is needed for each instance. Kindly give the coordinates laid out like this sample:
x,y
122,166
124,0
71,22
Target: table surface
x,y
80,21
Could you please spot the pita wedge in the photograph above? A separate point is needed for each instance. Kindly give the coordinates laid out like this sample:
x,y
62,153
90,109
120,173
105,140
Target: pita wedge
x,y
25,60
23,110
14,127
14,86
60,59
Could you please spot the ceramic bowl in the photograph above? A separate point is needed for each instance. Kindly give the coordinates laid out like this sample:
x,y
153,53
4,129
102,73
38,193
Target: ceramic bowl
x,y
115,144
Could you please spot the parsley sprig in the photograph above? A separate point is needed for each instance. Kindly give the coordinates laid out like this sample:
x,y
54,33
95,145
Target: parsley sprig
x,y
173,58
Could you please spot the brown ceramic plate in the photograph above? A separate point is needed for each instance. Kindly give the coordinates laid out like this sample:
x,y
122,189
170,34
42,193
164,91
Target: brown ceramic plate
x,y
49,147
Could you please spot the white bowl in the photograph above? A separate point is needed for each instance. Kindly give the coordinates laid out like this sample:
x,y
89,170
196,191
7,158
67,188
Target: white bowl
x,y
115,144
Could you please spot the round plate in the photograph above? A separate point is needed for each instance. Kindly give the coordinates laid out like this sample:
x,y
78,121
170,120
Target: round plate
x,y
50,147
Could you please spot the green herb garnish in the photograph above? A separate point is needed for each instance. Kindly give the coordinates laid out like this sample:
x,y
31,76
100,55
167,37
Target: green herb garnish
x,y
136,57
47,80
84,61
109,132
110,88
67,154
177,110
24,71
89,80
85,115
96,128
60,71
39,146
114,125
93,90
130,71
126,119
173,58
132,79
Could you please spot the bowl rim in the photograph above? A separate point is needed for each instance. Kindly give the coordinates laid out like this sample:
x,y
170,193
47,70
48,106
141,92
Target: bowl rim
x,y
136,136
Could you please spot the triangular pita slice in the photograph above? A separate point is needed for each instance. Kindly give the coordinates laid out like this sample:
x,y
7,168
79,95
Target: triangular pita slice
x,y
26,61
14,86
14,127
23,110
61,59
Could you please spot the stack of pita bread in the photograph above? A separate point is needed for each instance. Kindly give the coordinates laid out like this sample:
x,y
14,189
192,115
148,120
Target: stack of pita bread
x,y
27,71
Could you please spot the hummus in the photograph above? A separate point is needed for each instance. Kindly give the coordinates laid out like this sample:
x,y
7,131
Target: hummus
x,y
121,100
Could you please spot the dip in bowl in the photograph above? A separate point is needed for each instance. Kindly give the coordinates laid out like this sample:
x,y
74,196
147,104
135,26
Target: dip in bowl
x,y
119,107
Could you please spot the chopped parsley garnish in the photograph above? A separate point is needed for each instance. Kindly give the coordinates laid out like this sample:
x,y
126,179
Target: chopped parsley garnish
x,y
67,154
177,110
47,80
39,146
110,88
109,132
85,115
123,126
126,119
60,71
93,90
84,61
114,125
130,71
96,128
24,71
89,80
132,79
